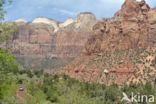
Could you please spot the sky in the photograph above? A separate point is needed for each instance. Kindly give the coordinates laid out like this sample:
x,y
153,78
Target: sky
x,y
60,10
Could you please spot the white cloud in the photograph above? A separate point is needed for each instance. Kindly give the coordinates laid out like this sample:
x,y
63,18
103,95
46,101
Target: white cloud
x,y
70,13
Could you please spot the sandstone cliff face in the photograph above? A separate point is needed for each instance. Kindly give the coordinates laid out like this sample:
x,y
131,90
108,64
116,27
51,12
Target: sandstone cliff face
x,y
71,39
46,38
122,49
132,27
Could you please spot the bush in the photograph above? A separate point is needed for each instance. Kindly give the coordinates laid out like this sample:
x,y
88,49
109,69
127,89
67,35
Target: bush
x,y
29,74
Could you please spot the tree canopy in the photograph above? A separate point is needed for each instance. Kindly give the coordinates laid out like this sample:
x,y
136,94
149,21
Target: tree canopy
x,y
7,61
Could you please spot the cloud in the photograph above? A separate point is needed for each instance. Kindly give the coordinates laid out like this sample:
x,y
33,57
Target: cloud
x,y
62,9
66,12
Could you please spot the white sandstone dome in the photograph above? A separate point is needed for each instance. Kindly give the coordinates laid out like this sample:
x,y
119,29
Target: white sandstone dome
x,y
67,22
47,21
21,20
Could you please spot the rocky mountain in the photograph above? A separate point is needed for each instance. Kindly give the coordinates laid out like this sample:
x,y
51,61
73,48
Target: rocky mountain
x,y
47,38
132,27
46,44
121,49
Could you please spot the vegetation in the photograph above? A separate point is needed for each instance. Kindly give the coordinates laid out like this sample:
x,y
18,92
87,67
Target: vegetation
x,y
7,62
42,88
154,62
64,90
61,89
39,64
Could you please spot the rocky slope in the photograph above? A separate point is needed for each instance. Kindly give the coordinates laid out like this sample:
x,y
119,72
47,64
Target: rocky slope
x,y
121,50
47,38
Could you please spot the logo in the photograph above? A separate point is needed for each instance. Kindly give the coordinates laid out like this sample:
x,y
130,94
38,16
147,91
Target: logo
x,y
138,98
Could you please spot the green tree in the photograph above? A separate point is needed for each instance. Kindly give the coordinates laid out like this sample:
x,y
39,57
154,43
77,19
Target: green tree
x,y
112,93
29,74
7,60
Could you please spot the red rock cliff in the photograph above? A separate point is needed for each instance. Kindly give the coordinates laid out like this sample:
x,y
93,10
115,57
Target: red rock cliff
x,y
47,38
132,27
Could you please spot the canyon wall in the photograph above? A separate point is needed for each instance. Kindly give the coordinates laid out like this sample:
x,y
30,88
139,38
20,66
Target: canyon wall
x,y
47,38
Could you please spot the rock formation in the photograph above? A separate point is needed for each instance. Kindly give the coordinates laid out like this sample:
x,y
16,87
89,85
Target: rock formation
x,y
132,27
47,38
121,49
21,20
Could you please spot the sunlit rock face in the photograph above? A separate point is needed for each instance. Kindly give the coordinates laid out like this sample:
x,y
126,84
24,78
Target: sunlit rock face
x,y
47,38
132,27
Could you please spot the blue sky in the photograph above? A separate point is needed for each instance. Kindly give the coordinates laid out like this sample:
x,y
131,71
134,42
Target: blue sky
x,y
62,9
